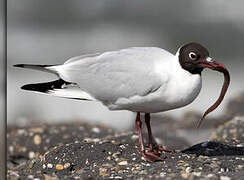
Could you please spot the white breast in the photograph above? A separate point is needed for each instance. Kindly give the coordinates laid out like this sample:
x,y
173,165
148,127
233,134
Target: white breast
x,y
180,89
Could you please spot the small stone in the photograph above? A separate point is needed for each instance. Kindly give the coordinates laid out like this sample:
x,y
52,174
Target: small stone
x,y
197,174
59,167
95,130
21,131
119,168
88,140
162,174
122,146
212,176
115,142
50,166
21,148
115,155
143,172
117,177
31,155
44,166
134,137
185,175
37,139
11,149
240,166
188,169
103,171
96,140
49,177
30,176
66,165
37,130
203,157
225,178
123,163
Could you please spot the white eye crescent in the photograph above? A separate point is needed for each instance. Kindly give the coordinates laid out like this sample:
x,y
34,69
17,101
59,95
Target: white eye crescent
x,y
192,56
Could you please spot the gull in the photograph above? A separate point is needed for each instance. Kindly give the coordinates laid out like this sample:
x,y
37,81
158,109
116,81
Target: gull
x,y
138,79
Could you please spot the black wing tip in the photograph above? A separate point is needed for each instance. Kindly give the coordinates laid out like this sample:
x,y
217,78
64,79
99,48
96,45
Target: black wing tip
x,y
31,65
19,65
46,86
34,87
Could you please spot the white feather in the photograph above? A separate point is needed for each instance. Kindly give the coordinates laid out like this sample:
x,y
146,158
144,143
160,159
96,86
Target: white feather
x,y
140,79
71,92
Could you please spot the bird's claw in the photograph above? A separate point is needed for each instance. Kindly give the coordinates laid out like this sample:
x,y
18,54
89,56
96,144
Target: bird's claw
x,y
161,149
157,149
151,156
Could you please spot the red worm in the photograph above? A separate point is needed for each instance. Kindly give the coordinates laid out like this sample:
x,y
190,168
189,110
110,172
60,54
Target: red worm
x,y
222,94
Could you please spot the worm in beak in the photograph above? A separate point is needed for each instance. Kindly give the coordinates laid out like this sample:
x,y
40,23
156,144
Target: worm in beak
x,y
211,64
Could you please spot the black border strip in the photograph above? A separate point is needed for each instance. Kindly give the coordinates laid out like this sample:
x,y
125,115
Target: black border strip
x,y
5,88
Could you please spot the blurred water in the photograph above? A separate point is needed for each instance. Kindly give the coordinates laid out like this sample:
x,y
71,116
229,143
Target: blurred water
x,y
44,32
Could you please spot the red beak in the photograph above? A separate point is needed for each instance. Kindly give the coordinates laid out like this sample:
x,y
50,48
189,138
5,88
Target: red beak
x,y
213,65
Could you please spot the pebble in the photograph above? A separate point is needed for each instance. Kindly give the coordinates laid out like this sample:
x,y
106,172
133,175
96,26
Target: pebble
x,y
30,176
50,166
162,174
11,148
115,155
212,176
197,174
88,140
31,155
103,171
21,131
37,139
49,177
134,137
240,166
96,130
122,146
123,163
37,130
66,165
188,169
59,167
185,175
225,178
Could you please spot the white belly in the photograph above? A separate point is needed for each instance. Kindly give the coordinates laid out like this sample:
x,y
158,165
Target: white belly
x,y
179,91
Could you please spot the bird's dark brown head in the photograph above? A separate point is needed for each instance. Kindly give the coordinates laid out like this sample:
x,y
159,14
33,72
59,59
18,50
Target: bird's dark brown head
x,y
193,57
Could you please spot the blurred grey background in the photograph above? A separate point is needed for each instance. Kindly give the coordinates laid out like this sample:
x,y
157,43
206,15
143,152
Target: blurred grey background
x,y
2,89
50,32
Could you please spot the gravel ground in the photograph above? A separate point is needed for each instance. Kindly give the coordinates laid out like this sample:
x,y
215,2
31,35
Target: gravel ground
x,y
116,156
82,151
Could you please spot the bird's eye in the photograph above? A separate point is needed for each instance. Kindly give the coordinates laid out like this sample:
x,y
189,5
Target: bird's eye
x,y
193,56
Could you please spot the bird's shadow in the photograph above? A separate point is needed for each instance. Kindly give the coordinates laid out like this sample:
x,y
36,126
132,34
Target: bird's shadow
x,y
214,148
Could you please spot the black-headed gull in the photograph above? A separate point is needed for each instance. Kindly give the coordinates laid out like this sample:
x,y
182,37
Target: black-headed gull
x,y
139,79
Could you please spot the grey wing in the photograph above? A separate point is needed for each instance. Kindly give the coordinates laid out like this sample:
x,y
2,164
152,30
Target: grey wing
x,y
116,74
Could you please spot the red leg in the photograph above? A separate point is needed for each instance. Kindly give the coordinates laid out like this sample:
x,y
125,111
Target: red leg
x,y
147,155
138,126
153,146
149,130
